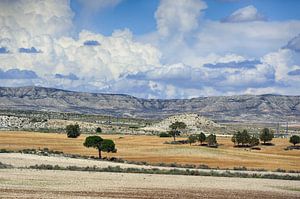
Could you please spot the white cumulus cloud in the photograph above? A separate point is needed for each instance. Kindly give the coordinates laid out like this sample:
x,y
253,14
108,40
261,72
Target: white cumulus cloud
x,y
178,16
246,14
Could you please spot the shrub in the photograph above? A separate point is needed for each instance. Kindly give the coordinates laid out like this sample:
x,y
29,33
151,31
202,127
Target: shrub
x,y
163,134
98,130
295,139
73,130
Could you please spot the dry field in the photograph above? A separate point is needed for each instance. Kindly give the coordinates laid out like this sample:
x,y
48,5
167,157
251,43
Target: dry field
x,y
152,149
27,183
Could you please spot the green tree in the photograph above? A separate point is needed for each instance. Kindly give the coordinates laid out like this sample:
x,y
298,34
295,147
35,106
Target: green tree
x,y
241,138
176,128
266,135
245,137
94,142
192,139
201,137
254,141
98,130
73,130
238,137
108,146
211,140
295,139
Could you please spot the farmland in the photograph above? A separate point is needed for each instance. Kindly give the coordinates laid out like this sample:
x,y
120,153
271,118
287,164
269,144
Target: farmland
x,y
152,149
29,183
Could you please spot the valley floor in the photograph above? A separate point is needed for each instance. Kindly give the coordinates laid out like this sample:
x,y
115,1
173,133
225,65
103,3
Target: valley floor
x,y
153,150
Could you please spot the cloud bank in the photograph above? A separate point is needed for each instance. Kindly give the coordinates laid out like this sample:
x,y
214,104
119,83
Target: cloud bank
x,y
186,56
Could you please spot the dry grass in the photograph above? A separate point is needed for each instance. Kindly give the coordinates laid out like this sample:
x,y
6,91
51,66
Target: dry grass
x,y
152,149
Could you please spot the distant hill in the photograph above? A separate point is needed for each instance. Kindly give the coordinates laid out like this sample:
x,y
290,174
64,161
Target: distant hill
x,y
261,108
195,123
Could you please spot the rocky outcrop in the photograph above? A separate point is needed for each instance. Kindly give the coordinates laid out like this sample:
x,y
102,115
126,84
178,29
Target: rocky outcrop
x,y
195,123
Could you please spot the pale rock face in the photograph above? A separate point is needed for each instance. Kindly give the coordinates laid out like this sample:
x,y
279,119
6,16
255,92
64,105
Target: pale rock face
x,y
195,123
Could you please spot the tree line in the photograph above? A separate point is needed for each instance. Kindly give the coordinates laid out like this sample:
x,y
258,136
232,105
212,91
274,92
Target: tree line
x,y
240,138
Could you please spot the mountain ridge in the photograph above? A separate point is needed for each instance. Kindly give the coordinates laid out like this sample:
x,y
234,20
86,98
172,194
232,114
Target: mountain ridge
x,y
234,108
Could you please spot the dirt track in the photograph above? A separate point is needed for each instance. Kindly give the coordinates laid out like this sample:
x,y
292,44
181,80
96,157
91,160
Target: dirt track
x,y
16,183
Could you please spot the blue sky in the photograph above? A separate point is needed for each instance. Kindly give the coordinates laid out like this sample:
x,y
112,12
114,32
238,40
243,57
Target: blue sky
x,y
152,48
137,15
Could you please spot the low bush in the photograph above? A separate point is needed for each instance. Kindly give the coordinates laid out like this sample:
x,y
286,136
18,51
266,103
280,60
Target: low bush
x,y
5,151
240,168
118,169
177,142
280,170
164,135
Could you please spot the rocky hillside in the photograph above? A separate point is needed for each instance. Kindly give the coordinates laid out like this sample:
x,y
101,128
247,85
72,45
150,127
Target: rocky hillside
x,y
262,108
195,123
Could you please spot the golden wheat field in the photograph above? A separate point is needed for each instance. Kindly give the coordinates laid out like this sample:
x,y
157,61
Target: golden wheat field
x,y
153,150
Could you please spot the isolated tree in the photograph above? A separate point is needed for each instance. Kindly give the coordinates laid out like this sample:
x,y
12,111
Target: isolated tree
x,y
192,139
201,137
266,135
211,140
73,130
295,139
95,142
98,130
176,128
254,141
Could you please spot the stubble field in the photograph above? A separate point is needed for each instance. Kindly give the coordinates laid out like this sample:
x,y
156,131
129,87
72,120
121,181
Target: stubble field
x,y
153,150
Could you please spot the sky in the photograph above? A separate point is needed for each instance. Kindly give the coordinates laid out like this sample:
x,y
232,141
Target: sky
x,y
152,48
